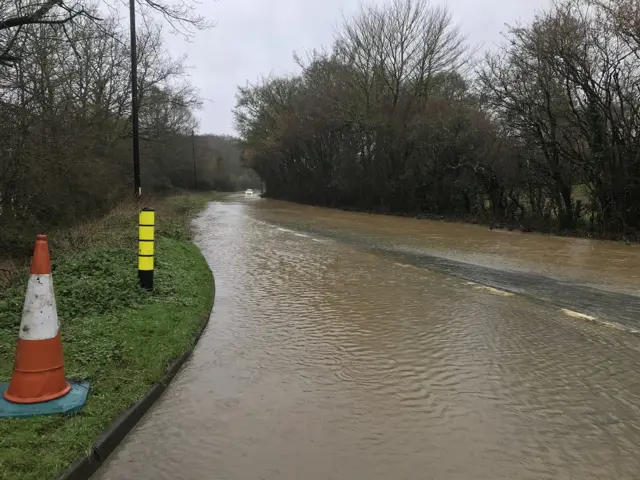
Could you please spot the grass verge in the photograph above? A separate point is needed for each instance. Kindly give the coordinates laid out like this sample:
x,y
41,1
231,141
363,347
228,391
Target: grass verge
x,y
115,335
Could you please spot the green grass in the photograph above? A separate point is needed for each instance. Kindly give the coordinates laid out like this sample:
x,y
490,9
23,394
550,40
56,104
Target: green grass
x,y
115,335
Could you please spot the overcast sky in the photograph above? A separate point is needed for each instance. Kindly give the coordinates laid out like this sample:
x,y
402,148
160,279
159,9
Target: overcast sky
x,y
253,38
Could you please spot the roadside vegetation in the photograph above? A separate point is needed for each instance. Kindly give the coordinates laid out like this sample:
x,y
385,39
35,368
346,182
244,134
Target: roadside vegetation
x,y
400,114
65,114
115,335
66,171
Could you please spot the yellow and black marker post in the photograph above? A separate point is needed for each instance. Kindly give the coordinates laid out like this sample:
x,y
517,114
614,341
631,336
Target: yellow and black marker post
x,y
146,237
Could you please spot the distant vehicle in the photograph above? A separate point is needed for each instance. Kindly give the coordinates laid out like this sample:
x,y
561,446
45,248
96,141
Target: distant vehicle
x,y
248,192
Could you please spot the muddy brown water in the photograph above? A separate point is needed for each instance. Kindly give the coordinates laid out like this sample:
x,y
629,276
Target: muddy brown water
x,y
350,346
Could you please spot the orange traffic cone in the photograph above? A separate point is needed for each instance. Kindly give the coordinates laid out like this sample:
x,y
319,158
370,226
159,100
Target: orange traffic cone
x,y
38,373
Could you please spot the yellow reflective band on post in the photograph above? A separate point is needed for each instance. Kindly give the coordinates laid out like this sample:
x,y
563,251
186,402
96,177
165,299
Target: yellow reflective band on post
x,y
147,217
145,248
145,263
145,233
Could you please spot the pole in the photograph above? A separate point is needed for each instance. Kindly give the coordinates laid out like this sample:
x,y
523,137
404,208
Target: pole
x,y
146,247
193,143
134,101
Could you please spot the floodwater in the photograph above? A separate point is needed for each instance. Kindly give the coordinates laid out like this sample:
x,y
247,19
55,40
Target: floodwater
x,y
358,347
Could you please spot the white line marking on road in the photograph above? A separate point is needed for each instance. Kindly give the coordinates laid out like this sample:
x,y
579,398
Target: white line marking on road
x,y
582,316
605,323
618,326
408,265
494,291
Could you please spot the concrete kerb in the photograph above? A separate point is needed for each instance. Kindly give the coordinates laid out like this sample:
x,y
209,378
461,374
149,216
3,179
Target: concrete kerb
x,y
110,438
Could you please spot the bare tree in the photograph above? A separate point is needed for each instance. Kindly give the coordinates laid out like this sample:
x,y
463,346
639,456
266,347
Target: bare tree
x,y
544,135
65,121
16,15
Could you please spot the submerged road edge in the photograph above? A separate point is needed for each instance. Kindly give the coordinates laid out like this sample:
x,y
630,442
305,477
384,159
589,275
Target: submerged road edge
x,y
112,436
600,305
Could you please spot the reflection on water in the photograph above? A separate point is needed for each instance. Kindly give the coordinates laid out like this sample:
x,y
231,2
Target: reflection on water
x,y
324,361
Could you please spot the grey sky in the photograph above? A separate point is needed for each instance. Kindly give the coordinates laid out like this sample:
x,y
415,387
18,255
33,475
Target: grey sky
x,y
253,38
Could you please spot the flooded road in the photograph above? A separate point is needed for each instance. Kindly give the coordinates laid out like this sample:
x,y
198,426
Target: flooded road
x,y
356,347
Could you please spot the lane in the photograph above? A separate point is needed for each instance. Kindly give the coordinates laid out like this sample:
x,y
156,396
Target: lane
x,y
598,286
326,360
612,266
591,303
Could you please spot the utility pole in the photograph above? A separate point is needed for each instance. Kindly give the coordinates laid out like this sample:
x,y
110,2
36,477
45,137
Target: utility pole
x,y
193,144
134,101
